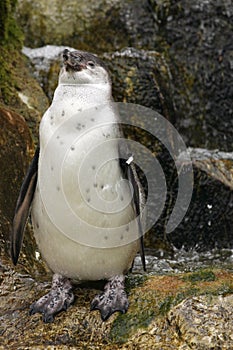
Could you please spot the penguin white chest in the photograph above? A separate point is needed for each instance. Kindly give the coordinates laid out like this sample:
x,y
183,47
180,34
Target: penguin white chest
x,y
82,212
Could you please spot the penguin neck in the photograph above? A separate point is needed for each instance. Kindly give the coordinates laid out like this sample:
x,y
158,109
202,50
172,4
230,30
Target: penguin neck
x,y
86,94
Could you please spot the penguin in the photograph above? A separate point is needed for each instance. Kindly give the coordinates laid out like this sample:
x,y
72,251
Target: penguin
x,y
82,192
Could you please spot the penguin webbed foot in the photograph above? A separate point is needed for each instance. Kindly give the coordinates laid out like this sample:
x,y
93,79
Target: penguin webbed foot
x,y
59,298
114,298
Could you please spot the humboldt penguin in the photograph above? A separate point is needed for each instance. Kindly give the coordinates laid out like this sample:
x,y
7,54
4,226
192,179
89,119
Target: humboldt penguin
x,y
82,192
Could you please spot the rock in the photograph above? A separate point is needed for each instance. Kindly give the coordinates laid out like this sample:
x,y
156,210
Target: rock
x,y
205,322
208,222
99,26
10,33
158,316
141,77
20,98
19,90
196,37
16,147
16,150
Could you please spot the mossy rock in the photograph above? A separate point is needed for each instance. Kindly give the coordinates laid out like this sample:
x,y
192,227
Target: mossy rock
x,y
16,151
19,89
99,26
157,306
194,39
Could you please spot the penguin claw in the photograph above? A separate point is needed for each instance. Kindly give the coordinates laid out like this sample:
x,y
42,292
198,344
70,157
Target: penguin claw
x,y
114,298
59,298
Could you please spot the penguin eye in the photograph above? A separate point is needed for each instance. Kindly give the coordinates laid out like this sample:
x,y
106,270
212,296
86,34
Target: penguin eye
x,y
91,64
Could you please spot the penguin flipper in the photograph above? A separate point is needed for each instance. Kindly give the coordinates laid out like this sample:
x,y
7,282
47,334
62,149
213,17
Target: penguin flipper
x,y
130,172
139,203
23,206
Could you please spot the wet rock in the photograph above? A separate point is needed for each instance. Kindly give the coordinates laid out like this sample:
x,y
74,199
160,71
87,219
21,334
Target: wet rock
x,y
208,222
149,322
19,90
196,37
141,77
16,147
99,26
21,103
10,33
204,322
16,151
158,316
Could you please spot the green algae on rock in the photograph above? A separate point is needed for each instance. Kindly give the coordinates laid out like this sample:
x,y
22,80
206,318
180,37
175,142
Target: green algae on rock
x,y
157,317
20,98
98,26
19,90
10,33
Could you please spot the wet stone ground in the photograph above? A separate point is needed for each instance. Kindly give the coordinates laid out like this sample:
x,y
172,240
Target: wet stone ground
x,y
183,302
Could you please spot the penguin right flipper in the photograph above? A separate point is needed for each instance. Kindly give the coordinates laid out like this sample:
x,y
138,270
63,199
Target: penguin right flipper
x,y
139,203
130,172
23,206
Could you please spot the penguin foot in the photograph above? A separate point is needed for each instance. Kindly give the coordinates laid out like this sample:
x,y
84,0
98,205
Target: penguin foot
x,y
114,298
59,298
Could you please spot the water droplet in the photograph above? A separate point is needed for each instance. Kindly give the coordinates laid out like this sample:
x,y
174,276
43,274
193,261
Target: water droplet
x,y
37,255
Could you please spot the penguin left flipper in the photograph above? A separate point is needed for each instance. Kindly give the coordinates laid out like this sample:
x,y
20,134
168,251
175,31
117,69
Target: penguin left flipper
x,y
114,298
23,207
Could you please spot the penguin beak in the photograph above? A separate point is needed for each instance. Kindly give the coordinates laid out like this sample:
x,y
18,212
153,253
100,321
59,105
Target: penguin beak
x,y
73,62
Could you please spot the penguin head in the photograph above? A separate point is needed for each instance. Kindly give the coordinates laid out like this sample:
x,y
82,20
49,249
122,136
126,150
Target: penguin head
x,y
81,67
